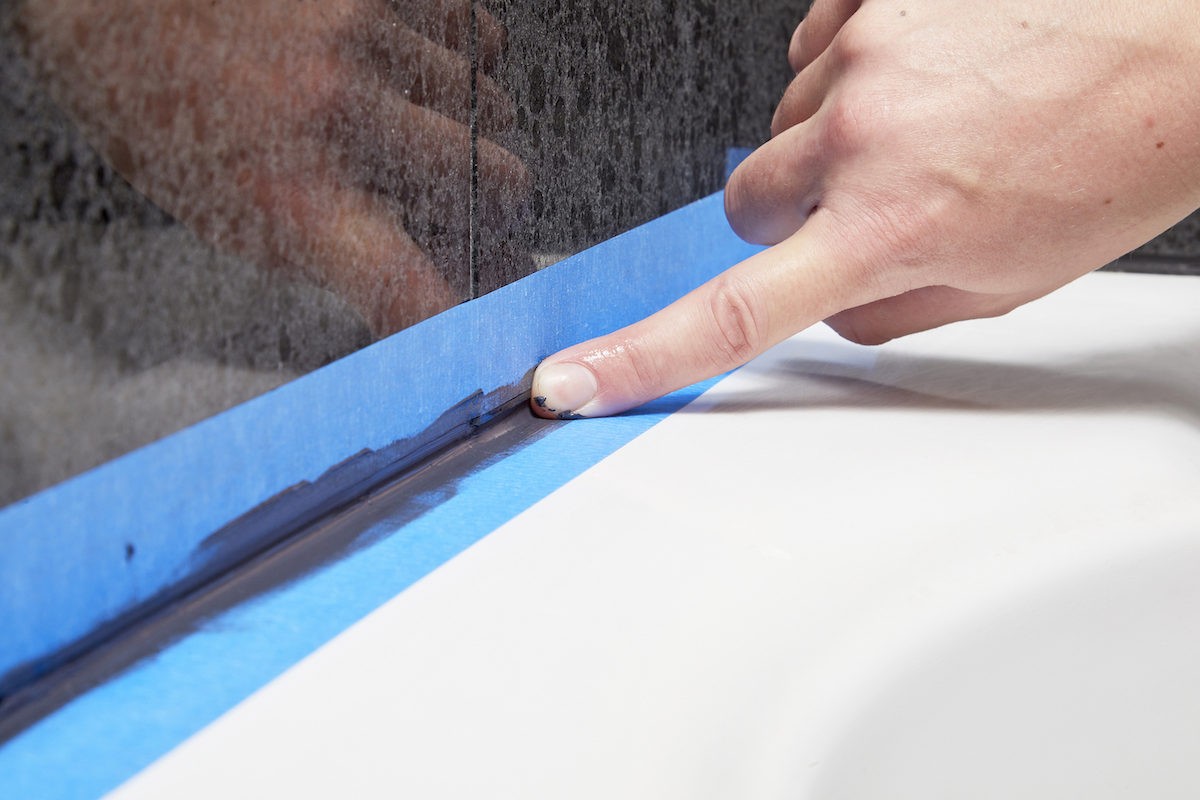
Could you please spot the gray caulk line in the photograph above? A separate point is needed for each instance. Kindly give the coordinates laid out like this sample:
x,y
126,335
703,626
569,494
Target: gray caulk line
x,y
474,121
509,428
279,519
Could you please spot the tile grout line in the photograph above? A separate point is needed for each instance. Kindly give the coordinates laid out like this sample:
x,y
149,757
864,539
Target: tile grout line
x,y
474,233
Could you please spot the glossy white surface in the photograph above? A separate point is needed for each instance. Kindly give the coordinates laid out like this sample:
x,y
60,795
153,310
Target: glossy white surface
x,y
962,565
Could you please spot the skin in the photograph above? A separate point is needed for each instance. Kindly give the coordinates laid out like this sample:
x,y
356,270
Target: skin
x,y
932,161
325,138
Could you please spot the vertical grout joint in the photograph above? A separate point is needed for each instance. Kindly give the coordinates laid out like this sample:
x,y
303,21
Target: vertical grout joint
x,y
474,232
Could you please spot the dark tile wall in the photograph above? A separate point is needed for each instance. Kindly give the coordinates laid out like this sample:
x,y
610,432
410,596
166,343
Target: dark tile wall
x,y
121,325
625,108
1181,241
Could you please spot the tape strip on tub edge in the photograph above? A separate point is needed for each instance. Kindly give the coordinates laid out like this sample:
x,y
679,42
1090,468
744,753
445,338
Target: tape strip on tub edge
x,y
65,565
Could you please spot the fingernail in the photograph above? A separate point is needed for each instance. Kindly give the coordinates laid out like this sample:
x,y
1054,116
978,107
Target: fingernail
x,y
564,388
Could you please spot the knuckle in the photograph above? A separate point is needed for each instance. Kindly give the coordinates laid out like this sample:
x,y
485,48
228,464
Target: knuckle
x,y
646,371
738,320
853,42
853,121
899,241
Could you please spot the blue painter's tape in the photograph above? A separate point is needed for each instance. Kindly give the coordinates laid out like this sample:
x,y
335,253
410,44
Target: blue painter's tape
x,y
103,738
735,156
63,565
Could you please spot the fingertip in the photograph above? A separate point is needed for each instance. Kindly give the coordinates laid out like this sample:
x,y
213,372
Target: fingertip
x,y
772,193
778,126
716,327
741,209
733,200
563,390
795,50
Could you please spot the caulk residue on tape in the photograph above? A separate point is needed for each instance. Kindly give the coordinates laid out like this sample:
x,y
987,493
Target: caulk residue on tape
x,y
167,498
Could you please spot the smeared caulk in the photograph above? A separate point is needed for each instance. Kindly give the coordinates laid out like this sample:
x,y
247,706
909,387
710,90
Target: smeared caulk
x,y
566,416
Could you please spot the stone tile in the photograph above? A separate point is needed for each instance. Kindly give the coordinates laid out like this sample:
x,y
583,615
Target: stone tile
x,y
624,110
592,118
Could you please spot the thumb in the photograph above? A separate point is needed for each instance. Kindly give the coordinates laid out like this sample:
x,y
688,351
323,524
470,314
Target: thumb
x,y
749,308
920,310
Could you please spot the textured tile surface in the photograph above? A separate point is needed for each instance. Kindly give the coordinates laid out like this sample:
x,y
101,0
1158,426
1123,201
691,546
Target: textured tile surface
x,y
617,110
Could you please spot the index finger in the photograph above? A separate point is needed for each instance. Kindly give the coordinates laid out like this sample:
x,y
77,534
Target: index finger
x,y
741,313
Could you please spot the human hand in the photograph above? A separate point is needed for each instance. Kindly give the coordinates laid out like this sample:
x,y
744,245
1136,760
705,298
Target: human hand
x,y
329,138
932,161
